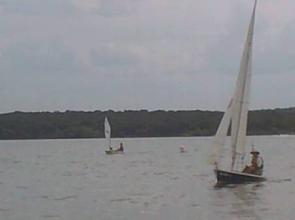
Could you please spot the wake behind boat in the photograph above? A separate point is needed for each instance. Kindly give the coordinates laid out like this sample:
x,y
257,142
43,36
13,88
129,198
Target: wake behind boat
x,y
235,119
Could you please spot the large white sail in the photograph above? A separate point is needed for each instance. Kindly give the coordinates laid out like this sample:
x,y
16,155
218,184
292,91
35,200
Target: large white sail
x,y
241,101
107,132
221,134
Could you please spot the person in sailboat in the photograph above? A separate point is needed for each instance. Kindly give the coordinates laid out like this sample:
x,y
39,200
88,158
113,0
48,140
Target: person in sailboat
x,y
256,166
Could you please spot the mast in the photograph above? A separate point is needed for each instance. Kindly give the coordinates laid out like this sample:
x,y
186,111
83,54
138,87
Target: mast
x,y
241,98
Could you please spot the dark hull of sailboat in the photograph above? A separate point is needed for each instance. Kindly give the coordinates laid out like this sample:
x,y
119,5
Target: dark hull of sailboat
x,y
233,177
109,152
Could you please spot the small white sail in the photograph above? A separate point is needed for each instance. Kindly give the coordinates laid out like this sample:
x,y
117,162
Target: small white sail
x,y
107,132
241,100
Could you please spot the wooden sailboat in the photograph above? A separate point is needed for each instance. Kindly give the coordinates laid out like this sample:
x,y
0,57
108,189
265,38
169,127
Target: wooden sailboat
x,y
107,133
235,118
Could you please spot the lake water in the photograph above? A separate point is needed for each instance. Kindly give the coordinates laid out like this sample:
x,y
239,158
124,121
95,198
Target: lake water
x,y
75,180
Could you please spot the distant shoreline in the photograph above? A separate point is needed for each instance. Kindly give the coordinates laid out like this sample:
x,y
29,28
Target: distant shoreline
x,y
122,138
136,124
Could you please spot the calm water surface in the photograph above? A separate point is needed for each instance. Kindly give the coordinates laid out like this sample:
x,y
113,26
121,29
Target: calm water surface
x,y
75,180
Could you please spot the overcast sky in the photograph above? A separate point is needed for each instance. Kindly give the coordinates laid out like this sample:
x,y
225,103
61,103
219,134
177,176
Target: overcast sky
x,y
142,54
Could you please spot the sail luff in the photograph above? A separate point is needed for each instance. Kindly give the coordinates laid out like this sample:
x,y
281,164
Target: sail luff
x,y
107,132
241,97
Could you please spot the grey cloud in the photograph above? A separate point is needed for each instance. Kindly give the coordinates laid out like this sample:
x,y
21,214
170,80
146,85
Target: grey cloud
x,y
32,58
110,8
38,7
156,53
113,57
275,55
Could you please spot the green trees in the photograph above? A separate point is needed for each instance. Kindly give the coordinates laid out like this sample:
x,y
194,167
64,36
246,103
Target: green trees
x,y
141,123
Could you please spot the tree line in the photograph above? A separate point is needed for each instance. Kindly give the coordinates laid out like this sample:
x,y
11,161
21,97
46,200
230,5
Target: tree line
x,y
140,123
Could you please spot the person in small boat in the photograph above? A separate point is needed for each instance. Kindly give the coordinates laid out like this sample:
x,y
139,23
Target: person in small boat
x,y
121,148
111,149
256,166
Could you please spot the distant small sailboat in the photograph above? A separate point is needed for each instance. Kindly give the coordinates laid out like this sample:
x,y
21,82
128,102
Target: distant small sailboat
x,y
235,117
107,133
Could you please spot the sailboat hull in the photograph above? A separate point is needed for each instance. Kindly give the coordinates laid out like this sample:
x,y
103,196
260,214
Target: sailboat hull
x,y
233,177
109,152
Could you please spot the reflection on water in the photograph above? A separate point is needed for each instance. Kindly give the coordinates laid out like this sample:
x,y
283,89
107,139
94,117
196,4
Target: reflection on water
x,y
74,180
246,200
243,201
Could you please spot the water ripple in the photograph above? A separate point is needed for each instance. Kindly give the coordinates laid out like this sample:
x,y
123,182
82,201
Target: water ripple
x,y
66,197
50,216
